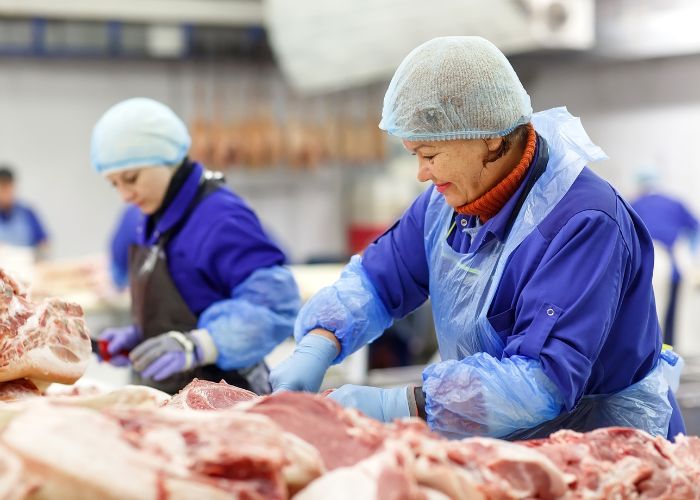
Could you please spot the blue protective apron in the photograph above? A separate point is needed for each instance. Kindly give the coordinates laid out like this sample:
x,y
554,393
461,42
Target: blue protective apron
x,y
157,307
462,286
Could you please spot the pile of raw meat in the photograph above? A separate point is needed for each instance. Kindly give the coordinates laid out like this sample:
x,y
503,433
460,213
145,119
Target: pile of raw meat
x,y
214,441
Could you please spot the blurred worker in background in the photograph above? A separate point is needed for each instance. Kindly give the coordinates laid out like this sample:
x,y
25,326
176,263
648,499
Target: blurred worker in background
x,y
210,296
668,221
539,273
19,225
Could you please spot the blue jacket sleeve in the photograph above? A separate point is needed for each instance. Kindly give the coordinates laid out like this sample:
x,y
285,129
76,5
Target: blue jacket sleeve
x,y
350,308
484,396
236,246
39,234
259,315
689,223
396,262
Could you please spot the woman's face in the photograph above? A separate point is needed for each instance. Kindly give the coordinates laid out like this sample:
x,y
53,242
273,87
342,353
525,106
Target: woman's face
x,y
144,187
457,167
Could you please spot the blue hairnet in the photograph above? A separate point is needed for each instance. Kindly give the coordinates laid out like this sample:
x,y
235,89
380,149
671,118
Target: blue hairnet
x,y
648,176
350,308
459,87
138,132
485,396
255,320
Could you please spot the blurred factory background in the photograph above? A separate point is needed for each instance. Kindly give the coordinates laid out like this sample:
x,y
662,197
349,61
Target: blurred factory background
x,y
284,98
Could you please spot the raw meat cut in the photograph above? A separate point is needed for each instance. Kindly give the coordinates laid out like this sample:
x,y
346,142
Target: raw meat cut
x,y
342,437
47,341
617,462
163,453
231,445
412,464
15,484
685,454
79,453
205,395
18,389
129,396
79,389
386,475
486,468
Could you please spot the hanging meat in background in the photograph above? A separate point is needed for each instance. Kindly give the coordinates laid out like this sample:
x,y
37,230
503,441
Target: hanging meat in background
x,y
258,123
378,139
202,144
304,148
202,148
331,132
256,144
226,150
228,145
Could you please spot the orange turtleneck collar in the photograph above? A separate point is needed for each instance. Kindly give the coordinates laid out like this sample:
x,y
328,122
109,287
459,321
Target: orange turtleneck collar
x,y
488,204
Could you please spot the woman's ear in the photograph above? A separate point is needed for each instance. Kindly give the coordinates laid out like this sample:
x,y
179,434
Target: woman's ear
x,y
494,144
494,149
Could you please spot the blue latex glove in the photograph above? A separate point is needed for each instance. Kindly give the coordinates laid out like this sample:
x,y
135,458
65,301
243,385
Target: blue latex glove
x,y
160,357
119,340
305,368
384,405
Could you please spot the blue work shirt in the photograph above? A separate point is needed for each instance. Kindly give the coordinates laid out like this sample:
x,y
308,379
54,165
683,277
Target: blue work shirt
x,y
219,246
591,258
667,220
21,227
123,237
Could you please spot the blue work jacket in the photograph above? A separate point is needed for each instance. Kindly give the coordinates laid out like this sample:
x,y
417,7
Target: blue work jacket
x,y
219,246
591,257
20,226
667,219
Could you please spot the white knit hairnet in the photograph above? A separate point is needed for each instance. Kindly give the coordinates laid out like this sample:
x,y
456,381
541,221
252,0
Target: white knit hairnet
x,y
459,87
138,132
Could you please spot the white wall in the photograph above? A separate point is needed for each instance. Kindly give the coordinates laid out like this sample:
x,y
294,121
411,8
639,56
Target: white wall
x,y
638,112
50,106
49,109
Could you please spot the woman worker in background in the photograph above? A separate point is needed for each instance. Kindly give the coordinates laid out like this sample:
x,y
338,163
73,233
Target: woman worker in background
x,y
210,295
538,272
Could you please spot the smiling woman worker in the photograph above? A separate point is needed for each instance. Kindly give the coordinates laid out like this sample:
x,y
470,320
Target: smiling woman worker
x,y
210,297
538,272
